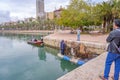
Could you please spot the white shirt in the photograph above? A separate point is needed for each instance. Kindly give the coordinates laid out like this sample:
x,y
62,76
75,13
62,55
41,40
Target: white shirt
x,y
78,32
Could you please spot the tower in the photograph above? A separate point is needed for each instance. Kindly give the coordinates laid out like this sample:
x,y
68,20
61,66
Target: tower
x,y
40,8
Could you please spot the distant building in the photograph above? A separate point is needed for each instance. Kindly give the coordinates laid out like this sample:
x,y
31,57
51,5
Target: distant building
x,y
54,14
40,9
4,16
57,13
50,15
31,19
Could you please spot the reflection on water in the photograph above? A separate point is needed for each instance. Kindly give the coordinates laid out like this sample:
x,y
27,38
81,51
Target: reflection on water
x,y
42,54
64,65
20,36
21,61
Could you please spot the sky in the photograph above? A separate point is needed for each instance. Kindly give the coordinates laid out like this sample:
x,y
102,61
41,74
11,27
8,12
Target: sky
x,y
27,8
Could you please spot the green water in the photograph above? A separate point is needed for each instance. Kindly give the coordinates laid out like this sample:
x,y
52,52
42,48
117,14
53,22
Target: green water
x,y
21,61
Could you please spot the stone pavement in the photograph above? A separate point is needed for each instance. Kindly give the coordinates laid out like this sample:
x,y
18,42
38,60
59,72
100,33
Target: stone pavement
x,y
84,37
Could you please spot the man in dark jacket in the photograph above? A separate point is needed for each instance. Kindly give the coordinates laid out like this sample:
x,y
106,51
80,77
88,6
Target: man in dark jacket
x,y
113,54
62,47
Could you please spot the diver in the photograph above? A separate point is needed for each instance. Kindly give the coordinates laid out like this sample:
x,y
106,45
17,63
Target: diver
x,y
62,47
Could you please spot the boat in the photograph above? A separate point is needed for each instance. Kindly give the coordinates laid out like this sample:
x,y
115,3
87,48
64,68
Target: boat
x,y
38,42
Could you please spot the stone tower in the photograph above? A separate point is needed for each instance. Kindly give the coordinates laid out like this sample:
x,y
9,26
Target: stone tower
x,y
40,9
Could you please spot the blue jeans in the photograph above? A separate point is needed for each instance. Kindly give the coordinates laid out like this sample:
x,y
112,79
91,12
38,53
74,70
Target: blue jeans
x,y
112,57
78,37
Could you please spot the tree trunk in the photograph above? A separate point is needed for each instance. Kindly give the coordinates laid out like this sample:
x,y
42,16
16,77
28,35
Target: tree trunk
x,y
104,26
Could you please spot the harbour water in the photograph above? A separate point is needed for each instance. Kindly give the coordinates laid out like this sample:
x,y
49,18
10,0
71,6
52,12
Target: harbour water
x,y
21,61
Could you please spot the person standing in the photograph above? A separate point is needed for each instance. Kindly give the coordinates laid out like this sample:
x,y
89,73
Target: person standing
x,y
113,53
41,38
62,47
78,34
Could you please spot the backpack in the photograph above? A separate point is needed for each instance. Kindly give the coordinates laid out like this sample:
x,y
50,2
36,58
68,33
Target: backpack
x,y
118,48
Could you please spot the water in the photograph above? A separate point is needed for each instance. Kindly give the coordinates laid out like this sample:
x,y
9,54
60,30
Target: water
x,y
21,61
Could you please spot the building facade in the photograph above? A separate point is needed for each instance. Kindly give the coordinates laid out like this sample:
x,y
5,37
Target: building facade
x,y
57,13
40,9
50,15
54,14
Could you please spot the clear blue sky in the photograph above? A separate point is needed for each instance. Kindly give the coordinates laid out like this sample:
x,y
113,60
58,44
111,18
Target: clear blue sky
x,y
27,8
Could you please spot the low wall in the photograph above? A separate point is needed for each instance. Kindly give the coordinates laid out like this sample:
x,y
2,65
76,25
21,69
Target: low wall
x,y
32,32
80,47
